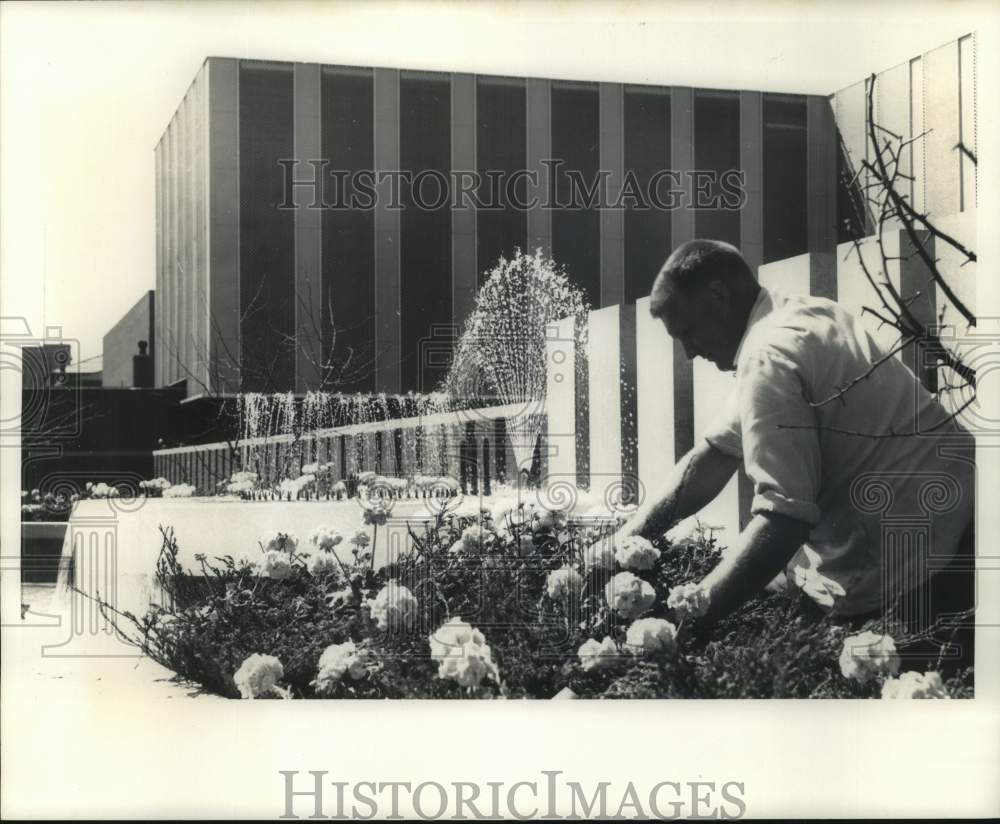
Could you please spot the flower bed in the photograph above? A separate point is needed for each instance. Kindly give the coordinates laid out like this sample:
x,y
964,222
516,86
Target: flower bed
x,y
515,603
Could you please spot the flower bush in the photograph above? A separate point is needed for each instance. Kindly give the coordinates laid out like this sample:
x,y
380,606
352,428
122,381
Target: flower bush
x,y
325,538
867,656
337,661
595,655
563,583
915,685
629,595
393,607
515,611
635,552
102,490
258,676
178,491
155,487
655,635
688,601
462,654
52,506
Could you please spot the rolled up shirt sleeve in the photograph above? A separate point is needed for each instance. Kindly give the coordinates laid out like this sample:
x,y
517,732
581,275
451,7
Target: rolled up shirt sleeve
x,y
781,449
724,431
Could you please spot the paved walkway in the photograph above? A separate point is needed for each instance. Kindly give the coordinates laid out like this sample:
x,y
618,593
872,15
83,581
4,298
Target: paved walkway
x,y
45,663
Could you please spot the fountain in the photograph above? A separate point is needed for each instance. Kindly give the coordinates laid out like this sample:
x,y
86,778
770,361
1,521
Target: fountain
x,y
501,355
500,359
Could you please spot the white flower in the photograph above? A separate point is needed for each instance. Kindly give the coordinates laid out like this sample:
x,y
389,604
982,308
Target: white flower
x,y
629,595
360,538
237,487
462,654
563,583
457,548
598,654
340,596
393,606
101,490
550,519
867,655
155,483
244,477
565,694
635,552
474,537
337,661
325,538
283,541
289,487
914,685
376,513
179,491
599,555
824,591
339,488
258,675
275,565
310,469
688,600
652,635
323,563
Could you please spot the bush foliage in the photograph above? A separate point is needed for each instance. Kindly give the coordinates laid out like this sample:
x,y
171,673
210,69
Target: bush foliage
x,y
493,575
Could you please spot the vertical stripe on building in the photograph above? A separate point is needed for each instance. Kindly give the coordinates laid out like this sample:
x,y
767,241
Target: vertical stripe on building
x,y
752,167
612,169
425,240
539,148
943,175
648,182
223,225
751,225
501,160
682,230
156,345
822,197
309,373
267,233
388,351
574,190
464,263
348,252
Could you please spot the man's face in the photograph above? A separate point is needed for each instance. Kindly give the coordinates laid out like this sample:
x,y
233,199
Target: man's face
x,y
701,320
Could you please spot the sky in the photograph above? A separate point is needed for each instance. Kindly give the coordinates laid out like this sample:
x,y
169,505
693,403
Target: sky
x,y
86,89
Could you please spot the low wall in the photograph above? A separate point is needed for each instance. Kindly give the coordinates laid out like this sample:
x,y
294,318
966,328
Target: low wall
x,y
489,438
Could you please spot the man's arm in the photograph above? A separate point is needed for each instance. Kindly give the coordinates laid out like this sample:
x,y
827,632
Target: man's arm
x,y
759,554
694,481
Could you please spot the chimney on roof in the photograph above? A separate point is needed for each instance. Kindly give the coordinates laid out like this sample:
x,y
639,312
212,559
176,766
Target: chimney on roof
x,y
142,367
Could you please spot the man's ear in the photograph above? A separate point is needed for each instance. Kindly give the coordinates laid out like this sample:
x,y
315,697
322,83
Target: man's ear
x,y
720,295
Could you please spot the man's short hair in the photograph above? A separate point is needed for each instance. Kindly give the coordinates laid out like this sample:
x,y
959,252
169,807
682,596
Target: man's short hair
x,y
696,263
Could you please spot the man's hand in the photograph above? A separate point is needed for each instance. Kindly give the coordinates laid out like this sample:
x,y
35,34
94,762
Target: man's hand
x,y
694,481
761,551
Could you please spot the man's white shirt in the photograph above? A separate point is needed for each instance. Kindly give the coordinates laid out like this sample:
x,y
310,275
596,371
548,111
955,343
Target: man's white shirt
x,y
818,451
